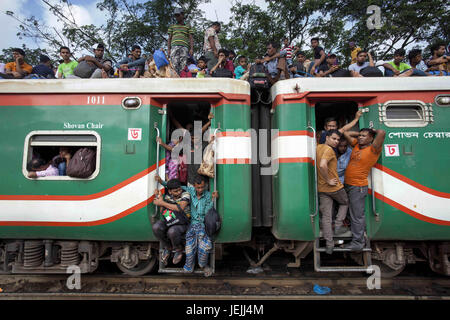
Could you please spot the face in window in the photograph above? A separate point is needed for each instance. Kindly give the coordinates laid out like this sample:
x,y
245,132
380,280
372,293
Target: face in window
x,y
331,125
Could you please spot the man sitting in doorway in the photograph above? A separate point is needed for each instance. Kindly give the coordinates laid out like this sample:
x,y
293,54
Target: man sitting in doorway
x,y
171,237
330,188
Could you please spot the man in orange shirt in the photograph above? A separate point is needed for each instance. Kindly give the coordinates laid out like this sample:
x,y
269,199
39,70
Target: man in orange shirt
x,y
366,151
330,188
17,69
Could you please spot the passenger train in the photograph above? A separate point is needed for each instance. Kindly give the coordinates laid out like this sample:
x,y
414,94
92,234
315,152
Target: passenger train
x,y
265,169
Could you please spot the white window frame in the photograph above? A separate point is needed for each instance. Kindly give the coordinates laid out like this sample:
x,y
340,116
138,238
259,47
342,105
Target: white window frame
x,y
28,146
427,114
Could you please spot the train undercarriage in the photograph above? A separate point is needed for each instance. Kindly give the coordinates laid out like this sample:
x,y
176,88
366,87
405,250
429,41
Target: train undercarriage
x,y
135,259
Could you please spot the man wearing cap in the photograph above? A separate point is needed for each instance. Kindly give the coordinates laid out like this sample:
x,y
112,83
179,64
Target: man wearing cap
x,y
181,41
211,45
18,68
327,70
354,49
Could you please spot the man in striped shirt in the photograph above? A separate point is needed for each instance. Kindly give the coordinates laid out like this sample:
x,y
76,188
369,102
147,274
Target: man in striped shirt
x,y
181,42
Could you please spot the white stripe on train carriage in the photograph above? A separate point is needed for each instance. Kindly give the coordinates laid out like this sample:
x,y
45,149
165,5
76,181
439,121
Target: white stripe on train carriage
x,y
298,146
84,210
145,86
230,147
358,85
415,199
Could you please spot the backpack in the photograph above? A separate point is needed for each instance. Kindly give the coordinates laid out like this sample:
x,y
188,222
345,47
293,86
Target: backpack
x,y
341,73
160,59
257,76
371,72
82,164
222,73
84,69
212,222
185,73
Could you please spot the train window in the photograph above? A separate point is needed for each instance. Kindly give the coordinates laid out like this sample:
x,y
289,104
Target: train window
x,y
405,114
44,148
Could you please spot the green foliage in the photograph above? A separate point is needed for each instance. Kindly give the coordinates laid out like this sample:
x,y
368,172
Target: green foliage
x,y
405,23
31,55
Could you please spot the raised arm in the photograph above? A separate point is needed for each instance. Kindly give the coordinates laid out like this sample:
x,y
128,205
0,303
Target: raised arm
x,y
349,135
379,139
206,126
351,124
371,63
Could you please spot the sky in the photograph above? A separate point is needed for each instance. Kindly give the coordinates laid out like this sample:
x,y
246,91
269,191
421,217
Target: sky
x,y
85,12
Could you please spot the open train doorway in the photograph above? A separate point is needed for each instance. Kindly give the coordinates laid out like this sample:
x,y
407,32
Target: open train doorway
x,y
186,115
343,112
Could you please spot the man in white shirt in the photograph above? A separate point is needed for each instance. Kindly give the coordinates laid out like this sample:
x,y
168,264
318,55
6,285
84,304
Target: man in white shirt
x,y
361,63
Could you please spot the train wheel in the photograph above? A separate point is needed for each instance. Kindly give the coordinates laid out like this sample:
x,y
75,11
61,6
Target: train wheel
x,y
388,272
137,268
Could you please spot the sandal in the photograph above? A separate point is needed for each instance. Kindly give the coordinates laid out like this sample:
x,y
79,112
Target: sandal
x,y
165,254
177,257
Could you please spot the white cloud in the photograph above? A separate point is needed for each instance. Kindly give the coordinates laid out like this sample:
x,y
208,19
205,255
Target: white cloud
x,y
9,25
220,9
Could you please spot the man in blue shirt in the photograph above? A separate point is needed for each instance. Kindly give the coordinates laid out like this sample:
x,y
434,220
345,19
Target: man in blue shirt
x,y
344,152
132,67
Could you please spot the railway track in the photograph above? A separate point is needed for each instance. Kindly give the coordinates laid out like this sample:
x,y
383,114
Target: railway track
x,y
182,287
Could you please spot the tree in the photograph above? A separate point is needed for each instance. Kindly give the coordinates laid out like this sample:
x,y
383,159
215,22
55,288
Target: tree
x,y
404,23
32,56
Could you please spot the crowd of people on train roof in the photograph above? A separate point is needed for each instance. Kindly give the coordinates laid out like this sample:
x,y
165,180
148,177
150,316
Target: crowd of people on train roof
x,y
280,62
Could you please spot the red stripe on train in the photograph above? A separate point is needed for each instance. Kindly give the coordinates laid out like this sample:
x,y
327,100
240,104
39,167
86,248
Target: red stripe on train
x,y
85,197
406,210
80,224
234,161
412,183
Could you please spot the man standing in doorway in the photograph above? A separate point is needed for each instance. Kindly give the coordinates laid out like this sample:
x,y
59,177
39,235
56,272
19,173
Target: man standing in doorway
x,y
330,188
366,151
181,42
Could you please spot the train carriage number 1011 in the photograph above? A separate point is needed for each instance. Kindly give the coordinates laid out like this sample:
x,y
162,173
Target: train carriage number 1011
x,y
96,100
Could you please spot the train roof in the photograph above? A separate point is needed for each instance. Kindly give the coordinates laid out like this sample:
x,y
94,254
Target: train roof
x,y
142,85
360,84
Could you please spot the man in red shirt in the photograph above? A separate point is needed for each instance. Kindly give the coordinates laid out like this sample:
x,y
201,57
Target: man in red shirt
x,y
366,151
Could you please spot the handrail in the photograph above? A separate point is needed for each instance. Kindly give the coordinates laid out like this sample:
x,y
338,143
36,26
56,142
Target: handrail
x,y
157,165
215,165
315,176
374,208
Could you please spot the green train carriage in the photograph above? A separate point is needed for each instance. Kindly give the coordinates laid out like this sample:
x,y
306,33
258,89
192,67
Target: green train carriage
x,y
407,210
107,216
